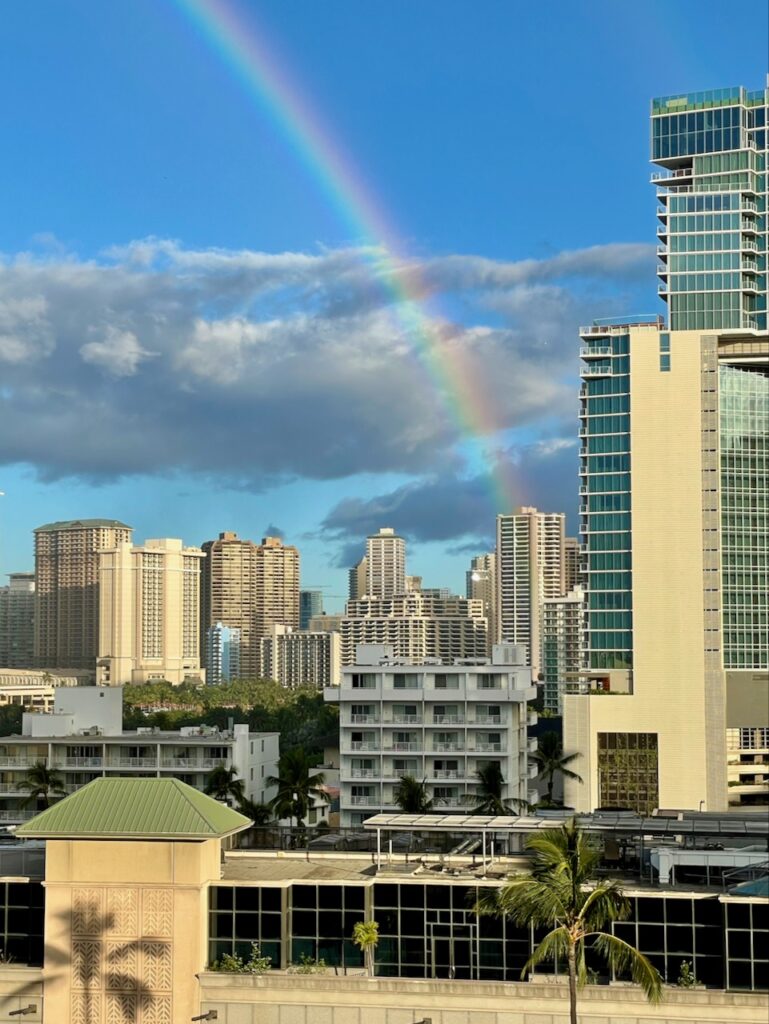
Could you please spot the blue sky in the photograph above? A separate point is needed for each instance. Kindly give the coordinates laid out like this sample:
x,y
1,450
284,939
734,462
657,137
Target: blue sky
x,y
237,371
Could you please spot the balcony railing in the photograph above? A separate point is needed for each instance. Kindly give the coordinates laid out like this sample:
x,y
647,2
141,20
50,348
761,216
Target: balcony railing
x,y
447,720
79,762
364,745
402,745
363,801
489,747
595,352
363,773
446,773
11,787
407,719
363,719
196,763
446,747
131,762
488,719
19,762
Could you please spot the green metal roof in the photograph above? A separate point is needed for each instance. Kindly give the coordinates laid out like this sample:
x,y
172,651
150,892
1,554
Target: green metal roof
x,y
83,524
135,809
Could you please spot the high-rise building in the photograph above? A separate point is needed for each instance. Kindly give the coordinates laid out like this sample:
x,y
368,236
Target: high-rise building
x,y
17,621
228,595
418,627
481,585
573,569
674,459
301,658
434,722
530,567
222,654
67,589
562,621
356,580
149,613
385,564
310,604
277,585
413,584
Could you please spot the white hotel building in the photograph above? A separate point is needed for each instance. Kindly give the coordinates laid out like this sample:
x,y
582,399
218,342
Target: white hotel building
x,y
431,721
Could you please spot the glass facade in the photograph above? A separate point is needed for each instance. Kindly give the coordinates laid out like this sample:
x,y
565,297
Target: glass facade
x,y
628,771
21,922
744,434
429,930
712,208
605,496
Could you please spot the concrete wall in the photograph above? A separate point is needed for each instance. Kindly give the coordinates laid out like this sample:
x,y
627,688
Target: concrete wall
x,y
297,999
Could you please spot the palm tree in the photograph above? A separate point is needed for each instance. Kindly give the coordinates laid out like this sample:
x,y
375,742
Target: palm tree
x,y
365,935
297,788
411,796
562,894
44,785
551,761
224,785
488,799
260,814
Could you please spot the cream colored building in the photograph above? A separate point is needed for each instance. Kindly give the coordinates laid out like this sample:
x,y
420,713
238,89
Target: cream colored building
x,y
277,585
228,595
67,589
669,668
302,657
385,564
481,585
530,566
149,613
417,626
17,621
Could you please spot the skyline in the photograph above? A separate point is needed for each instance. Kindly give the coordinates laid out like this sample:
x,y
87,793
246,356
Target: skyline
x,y
234,324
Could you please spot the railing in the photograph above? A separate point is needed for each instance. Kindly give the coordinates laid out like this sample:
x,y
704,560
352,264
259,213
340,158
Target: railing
x,y
749,245
11,787
199,763
364,745
363,719
595,371
488,719
19,762
449,801
447,720
362,773
131,762
662,250
443,747
749,225
413,747
446,773
486,747
363,801
592,352
79,762
21,815
406,720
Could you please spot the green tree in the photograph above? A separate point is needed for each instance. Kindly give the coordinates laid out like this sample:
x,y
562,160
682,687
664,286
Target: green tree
x,y
44,785
365,935
551,761
488,798
411,795
260,814
562,894
297,786
224,785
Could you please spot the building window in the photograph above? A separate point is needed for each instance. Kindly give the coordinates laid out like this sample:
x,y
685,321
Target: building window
x,y
240,915
628,771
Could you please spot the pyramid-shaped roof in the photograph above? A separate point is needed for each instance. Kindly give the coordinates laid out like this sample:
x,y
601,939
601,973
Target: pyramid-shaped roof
x,y
135,809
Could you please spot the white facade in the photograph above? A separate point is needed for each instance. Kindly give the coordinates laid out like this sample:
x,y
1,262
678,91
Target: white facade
x,y
434,722
149,613
481,585
385,564
83,740
531,566
418,626
301,658
562,628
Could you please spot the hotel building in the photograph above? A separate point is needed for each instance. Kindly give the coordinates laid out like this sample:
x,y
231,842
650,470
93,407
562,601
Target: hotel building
x,y
674,429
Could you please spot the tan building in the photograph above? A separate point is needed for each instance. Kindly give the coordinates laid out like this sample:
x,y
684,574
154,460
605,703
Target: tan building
x,y
417,626
149,613
385,564
573,571
228,595
67,589
277,585
531,567
481,585
676,649
356,580
301,657
17,621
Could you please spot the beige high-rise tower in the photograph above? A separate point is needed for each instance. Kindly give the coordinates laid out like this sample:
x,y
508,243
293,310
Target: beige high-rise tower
x,y
249,587
67,589
149,613
228,596
530,568
385,564
481,585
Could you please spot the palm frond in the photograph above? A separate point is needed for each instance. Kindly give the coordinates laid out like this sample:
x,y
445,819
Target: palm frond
x,y
623,957
605,903
555,943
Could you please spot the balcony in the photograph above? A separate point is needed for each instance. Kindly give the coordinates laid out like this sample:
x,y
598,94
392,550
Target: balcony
x,y
595,352
131,762
662,250
371,745
662,288
19,762
406,720
449,801
488,720
594,370
447,720
21,815
195,763
11,787
445,773
79,762
748,245
363,719
362,773
364,801
413,746
750,226
447,747
486,748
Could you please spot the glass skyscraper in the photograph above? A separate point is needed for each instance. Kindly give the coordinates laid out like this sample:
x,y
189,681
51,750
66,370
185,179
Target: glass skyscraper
x,y
674,492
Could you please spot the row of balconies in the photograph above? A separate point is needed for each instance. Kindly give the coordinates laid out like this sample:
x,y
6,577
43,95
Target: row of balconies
x,y
419,748
419,720
109,763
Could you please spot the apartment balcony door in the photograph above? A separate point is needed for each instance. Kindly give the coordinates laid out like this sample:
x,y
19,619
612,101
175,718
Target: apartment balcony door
x,y
452,951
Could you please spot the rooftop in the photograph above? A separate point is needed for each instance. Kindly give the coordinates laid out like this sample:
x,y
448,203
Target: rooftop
x,y
83,524
707,99
135,809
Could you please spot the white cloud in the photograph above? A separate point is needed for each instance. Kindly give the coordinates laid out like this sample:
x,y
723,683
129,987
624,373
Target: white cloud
x,y
118,354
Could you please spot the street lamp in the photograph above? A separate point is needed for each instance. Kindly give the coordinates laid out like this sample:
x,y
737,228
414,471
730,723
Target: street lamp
x,y
32,1008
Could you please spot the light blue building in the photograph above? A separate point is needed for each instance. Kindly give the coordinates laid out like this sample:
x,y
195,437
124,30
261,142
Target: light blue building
x,y
310,603
222,654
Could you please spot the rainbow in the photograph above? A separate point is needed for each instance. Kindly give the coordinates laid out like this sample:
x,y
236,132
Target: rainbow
x,y
246,53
